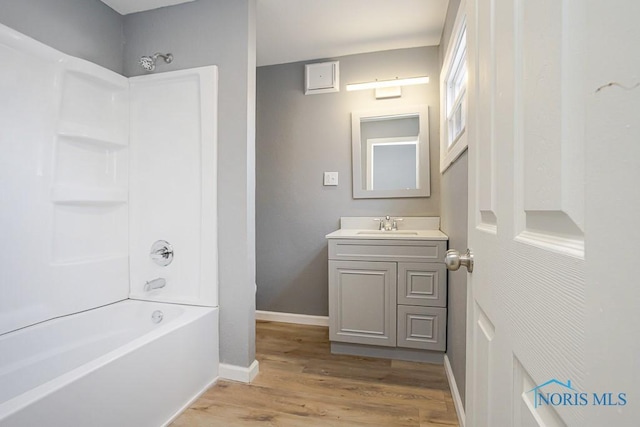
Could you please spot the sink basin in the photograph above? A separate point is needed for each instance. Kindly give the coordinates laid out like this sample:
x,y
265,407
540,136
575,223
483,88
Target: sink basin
x,y
388,233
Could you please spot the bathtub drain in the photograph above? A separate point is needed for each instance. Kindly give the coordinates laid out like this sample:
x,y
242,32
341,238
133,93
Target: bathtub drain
x,y
157,316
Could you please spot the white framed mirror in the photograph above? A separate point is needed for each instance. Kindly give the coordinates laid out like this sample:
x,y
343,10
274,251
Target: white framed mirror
x,y
390,152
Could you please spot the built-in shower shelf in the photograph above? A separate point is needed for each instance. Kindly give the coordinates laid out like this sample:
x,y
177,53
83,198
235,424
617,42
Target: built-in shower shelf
x,y
75,195
91,135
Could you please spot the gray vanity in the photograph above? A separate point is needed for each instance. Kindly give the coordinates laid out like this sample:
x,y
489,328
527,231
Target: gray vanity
x,y
388,288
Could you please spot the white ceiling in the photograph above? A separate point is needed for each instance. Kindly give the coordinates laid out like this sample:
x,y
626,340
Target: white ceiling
x,y
300,30
125,7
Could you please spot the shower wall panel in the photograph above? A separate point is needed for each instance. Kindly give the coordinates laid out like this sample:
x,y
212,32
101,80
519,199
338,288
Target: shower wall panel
x,y
174,184
63,183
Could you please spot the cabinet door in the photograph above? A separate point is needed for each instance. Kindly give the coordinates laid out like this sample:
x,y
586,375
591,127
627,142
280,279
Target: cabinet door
x,y
362,302
422,284
422,327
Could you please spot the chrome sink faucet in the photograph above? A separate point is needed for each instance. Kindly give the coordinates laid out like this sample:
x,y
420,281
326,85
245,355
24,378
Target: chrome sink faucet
x,y
388,224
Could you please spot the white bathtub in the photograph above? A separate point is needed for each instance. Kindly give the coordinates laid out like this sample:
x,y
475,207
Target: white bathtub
x,y
111,366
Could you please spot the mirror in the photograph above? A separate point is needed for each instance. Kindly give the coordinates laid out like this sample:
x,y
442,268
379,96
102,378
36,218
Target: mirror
x,y
390,150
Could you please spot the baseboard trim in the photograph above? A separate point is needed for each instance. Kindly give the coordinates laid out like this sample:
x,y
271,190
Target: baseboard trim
x,y
301,319
239,373
457,400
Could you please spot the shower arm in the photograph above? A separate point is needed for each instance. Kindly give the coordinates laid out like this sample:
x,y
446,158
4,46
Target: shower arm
x,y
168,58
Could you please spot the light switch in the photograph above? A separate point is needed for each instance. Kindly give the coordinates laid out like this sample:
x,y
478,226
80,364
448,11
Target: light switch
x,y
331,178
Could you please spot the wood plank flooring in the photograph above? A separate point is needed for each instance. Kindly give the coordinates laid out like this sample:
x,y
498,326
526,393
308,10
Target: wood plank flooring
x,y
302,384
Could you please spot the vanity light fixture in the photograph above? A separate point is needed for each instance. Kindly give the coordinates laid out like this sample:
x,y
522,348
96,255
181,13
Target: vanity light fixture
x,y
389,88
389,83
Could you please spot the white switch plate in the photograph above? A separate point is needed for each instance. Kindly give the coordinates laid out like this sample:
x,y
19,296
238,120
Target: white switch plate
x,y
331,178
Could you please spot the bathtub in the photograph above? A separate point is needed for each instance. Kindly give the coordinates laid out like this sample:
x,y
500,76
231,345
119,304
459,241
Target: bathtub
x,y
131,363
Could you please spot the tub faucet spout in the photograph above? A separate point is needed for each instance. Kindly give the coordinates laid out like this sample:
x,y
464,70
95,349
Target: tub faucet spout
x,y
155,284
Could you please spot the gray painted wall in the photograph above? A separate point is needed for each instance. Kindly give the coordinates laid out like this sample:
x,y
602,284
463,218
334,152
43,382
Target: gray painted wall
x,y
454,224
450,19
87,29
301,136
454,187
218,32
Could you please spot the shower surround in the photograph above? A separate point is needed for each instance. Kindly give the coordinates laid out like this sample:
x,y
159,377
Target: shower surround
x,y
95,168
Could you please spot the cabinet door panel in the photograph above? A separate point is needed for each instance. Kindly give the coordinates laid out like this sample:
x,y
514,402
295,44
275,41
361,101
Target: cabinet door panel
x,y
422,327
422,284
362,302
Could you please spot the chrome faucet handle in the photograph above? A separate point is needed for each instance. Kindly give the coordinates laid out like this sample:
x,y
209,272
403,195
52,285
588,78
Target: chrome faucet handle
x,y
380,223
164,252
161,253
395,223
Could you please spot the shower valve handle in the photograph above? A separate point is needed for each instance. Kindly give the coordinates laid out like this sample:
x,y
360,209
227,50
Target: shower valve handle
x,y
161,253
164,252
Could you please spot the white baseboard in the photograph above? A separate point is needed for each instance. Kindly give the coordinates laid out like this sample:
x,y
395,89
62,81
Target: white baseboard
x,y
457,400
239,373
301,319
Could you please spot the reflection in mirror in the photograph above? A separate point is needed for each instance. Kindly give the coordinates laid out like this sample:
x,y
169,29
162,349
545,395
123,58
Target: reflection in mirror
x,y
391,163
391,153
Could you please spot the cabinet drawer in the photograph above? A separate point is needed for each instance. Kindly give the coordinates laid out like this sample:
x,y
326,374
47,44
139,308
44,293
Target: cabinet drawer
x,y
422,284
388,250
422,328
362,302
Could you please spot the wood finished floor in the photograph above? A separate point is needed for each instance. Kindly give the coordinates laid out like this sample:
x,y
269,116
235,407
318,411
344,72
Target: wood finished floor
x,y
302,384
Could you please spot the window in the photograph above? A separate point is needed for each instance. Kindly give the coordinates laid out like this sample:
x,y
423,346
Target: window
x,y
454,94
456,91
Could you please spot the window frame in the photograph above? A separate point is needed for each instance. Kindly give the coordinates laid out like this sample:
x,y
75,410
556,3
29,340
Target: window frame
x,y
452,148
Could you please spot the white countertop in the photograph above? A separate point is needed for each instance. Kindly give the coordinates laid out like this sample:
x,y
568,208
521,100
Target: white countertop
x,y
387,235
410,228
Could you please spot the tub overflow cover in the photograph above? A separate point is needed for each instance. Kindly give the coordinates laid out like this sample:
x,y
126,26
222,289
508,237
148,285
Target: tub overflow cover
x,y
157,316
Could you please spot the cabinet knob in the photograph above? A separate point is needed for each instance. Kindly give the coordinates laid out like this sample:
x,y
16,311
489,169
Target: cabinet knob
x,y
454,260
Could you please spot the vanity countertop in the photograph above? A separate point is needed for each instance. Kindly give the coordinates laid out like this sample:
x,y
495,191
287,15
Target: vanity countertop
x,y
388,235
410,228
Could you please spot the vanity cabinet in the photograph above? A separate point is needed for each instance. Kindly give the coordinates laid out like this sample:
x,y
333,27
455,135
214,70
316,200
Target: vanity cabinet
x,y
390,293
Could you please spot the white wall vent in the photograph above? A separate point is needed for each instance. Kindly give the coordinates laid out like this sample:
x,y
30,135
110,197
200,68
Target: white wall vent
x,y
322,77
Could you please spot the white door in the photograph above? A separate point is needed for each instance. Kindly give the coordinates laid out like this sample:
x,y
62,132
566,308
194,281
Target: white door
x,y
554,175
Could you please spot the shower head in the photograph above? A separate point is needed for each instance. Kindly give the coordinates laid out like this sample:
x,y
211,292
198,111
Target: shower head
x,y
148,63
